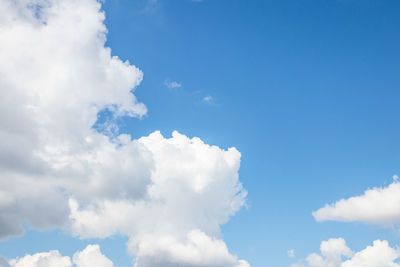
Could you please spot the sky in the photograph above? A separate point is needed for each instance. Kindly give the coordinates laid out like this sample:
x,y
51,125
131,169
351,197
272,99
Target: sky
x,y
213,133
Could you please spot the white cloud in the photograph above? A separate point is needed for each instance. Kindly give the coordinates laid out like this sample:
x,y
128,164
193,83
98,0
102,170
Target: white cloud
x,y
89,257
380,254
335,253
332,252
198,249
377,205
56,75
194,189
207,99
43,259
172,84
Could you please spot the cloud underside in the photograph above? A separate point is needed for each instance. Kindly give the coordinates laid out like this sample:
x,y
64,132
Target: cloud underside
x,y
335,253
168,195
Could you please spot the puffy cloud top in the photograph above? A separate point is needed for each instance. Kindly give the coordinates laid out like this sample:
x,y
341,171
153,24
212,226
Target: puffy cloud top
x,y
89,257
335,253
168,195
377,205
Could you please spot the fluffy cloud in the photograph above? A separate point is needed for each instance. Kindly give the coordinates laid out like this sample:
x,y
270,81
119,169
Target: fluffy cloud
x,y
44,259
380,254
331,253
377,205
197,250
89,257
56,170
194,189
55,77
335,253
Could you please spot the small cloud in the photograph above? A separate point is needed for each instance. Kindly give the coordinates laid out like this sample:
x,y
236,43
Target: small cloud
x,y
207,99
290,253
395,178
172,84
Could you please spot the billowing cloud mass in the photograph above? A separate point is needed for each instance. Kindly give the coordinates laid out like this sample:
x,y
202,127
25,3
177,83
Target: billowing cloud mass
x,y
89,257
377,205
335,253
168,195
174,221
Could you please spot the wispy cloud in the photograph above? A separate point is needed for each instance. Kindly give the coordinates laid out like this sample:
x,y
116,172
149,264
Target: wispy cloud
x,y
172,84
208,99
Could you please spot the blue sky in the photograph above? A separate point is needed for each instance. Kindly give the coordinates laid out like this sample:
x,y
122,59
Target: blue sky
x,y
307,91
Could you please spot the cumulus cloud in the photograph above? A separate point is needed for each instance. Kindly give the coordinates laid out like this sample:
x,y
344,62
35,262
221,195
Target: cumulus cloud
x,y
332,252
377,205
194,189
89,257
43,259
335,253
380,254
56,170
197,250
55,76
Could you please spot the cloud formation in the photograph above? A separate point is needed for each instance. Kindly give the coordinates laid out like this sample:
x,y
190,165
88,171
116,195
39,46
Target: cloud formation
x,y
377,205
207,99
335,253
55,78
194,189
172,84
89,257
56,170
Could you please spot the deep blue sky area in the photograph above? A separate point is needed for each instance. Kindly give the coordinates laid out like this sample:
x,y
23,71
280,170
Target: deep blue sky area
x,y
307,90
